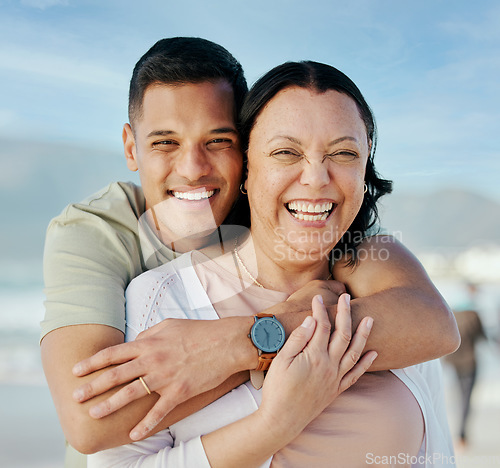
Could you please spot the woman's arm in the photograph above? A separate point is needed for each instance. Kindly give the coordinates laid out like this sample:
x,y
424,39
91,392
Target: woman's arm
x,y
293,394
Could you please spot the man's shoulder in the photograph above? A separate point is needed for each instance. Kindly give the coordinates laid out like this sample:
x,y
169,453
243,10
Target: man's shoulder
x,y
117,204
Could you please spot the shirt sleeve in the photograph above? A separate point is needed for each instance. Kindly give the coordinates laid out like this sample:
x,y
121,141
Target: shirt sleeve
x,y
88,262
156,451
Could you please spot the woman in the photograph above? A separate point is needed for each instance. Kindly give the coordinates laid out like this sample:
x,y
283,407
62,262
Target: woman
x,y
312,187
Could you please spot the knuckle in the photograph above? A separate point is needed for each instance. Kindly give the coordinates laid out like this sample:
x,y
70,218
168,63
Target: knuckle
x,y
157,415
113,376
104,355
106,407
345,336
354,356
298,334
156,359
182,390
353,380
129,392
87,390
324,326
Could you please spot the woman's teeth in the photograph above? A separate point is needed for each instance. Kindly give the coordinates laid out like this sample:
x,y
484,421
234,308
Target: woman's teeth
x,y
193,195
310,211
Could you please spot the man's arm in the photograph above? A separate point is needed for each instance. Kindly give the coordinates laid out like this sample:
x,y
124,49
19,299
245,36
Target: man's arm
x,y
62,348
413,323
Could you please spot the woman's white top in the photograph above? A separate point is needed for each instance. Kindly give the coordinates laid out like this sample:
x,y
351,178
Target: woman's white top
x,y
174,290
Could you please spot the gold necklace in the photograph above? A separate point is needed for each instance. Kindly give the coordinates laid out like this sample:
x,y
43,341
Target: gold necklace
x,y
245,269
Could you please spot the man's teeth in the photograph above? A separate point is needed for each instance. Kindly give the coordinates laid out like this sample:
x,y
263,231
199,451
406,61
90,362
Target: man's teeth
x,y
310,211
193,195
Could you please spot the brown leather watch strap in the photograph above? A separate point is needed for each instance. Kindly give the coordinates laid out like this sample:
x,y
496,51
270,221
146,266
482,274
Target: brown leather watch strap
x,y
265,360
263,314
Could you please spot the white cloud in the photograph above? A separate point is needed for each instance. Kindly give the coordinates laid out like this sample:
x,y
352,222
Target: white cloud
x,y
59,67
7,117
484,30
43,4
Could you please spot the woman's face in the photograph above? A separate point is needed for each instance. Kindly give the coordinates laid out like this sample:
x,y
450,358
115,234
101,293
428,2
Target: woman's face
x,y
306,165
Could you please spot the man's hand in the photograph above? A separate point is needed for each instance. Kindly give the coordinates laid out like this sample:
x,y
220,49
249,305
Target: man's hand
x,y
294,310
178,359
329,290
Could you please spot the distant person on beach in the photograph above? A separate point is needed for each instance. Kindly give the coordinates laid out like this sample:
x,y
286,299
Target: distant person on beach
x,y
184,96
307,133
464,359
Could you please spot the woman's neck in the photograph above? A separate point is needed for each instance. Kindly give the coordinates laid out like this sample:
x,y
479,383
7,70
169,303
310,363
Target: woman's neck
x,y
277,267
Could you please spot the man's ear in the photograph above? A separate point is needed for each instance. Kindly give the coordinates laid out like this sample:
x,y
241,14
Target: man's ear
x,y
129,147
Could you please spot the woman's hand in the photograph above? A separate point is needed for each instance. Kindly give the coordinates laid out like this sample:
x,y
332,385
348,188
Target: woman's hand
x,y
314,367
310,371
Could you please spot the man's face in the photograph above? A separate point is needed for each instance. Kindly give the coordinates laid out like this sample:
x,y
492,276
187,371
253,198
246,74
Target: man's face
x,y
187,151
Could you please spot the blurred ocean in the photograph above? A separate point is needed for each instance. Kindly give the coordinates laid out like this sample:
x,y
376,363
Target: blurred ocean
x,y
30,435
21,310
28,415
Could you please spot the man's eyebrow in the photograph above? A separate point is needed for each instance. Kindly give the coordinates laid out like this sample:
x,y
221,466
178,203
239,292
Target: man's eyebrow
x,y
155,133
224,130
215,131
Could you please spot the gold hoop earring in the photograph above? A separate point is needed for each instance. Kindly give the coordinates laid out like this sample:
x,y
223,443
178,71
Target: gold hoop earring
x,y
242,189
365,189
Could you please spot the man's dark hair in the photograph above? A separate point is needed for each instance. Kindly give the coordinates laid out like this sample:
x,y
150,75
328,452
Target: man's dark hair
x,y
183,60
322,77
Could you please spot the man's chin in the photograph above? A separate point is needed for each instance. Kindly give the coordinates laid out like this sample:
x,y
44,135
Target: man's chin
x,y
187,239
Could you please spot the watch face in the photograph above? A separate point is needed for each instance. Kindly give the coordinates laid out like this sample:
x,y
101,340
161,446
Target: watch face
x,y
268,334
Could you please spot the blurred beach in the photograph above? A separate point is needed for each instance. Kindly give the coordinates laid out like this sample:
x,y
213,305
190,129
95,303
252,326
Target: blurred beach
x,y
30,433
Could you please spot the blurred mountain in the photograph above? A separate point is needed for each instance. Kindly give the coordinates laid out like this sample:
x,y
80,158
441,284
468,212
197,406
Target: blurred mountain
x,y
448,220
38,179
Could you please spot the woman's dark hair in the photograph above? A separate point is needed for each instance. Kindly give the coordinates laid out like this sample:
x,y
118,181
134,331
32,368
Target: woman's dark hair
x,y
182,60
322,77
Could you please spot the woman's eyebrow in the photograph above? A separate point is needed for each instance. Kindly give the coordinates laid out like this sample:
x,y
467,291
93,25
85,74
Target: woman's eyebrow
x,y
341,139
285,137
331,143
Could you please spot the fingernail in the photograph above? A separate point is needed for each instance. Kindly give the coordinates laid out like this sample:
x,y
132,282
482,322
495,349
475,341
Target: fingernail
x,y
347,299
308,322
78,395
320,298
374,357
77,369
135,435
369,323
96,412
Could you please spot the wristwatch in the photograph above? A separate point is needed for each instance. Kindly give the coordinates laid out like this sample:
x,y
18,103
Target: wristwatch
x,y
268,336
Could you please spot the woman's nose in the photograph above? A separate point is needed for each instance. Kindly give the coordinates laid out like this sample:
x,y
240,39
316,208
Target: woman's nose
x,y
315,174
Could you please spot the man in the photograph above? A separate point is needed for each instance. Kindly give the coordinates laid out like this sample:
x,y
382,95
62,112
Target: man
x,y
182,137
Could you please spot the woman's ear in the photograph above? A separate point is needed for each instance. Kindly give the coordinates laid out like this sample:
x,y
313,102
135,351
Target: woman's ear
x,y
129,147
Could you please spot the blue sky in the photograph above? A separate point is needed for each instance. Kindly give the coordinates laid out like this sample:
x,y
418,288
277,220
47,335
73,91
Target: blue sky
x,y
429,69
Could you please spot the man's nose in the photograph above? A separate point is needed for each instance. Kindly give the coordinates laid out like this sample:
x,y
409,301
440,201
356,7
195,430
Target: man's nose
x,y
193,163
